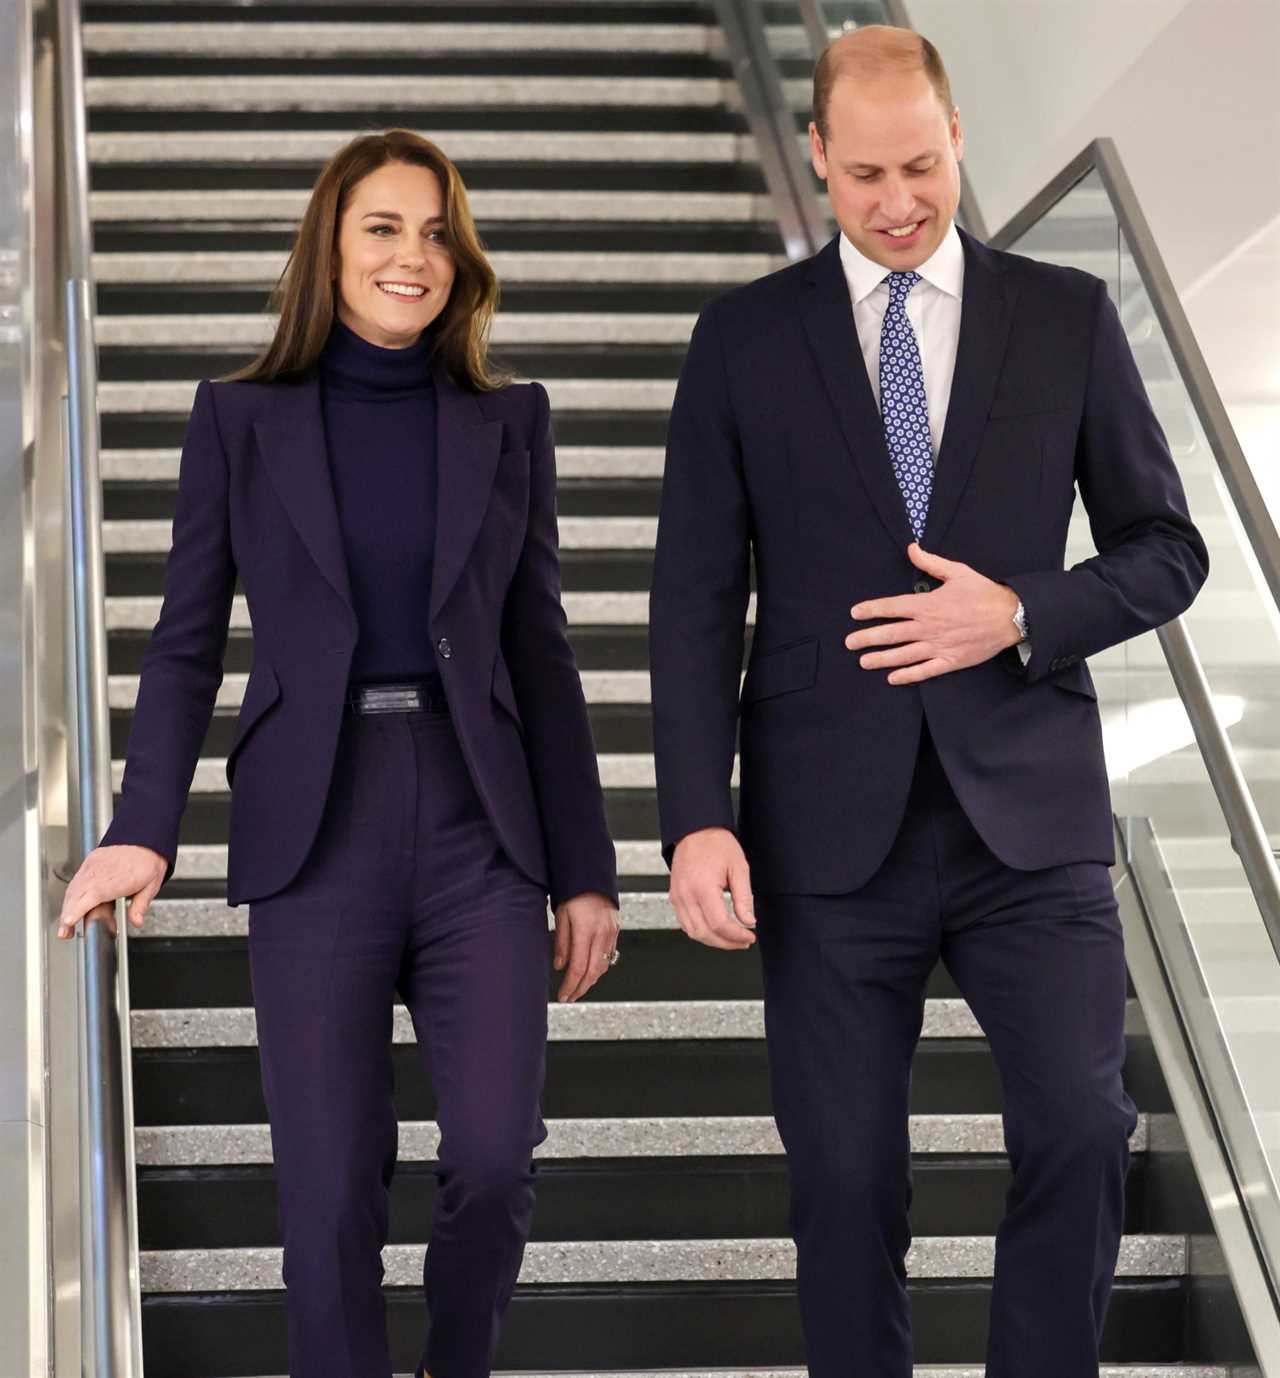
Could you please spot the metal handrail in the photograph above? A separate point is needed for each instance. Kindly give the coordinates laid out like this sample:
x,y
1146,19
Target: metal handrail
x,y
111,1313
1102,156
801,219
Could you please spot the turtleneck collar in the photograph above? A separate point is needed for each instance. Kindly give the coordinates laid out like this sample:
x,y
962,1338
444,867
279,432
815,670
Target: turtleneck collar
x,y
352,365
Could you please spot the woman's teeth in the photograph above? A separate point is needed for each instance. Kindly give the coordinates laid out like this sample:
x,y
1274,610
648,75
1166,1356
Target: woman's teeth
x,y
395,289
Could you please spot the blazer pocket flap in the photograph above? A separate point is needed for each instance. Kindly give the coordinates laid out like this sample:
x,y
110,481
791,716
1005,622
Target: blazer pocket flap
x,y
260,693
1076,679
503,689
1030,402
781,671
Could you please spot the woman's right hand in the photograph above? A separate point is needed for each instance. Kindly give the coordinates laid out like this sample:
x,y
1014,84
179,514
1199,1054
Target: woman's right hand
x,y
106,875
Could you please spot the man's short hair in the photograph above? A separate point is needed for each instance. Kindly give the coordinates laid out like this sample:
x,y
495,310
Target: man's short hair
x,y
870,52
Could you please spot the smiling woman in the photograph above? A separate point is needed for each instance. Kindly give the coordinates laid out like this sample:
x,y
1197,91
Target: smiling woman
x,y
388,245
412,774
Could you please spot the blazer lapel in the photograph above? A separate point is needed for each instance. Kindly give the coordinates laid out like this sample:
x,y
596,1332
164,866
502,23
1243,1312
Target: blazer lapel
x,y
467,449
827,314
292,443
985,318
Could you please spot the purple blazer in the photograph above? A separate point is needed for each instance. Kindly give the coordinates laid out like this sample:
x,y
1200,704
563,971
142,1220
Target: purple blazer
x,y
255,496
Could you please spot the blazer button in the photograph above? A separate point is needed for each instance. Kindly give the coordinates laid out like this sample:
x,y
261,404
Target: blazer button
x,y
444,648
922,586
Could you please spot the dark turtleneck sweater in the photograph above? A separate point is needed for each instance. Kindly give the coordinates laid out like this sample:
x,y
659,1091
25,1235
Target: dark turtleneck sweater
x,y
380,428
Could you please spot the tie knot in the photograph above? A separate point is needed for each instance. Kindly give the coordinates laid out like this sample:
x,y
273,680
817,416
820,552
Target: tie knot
x,y
900,284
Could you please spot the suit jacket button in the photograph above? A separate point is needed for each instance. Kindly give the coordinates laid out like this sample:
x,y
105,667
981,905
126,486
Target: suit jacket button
x,y
922,586
444,648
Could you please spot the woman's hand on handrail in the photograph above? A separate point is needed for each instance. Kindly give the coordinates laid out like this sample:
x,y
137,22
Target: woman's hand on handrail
x,y
106,875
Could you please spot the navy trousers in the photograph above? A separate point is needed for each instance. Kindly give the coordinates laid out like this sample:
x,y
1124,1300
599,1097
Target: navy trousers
x,y
406,890
1039,957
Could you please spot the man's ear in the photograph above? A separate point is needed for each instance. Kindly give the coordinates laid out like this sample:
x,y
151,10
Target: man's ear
x,y
957,134
817,152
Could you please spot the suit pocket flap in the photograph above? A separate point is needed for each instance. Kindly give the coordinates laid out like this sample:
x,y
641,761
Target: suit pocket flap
x,y
781,671
260,693
503,689
1077,680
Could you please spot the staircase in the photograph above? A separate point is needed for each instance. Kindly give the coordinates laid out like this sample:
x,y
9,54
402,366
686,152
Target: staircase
x,y
615,183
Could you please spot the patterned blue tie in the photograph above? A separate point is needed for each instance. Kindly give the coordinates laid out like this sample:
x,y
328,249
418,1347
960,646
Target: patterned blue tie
x,y
903,406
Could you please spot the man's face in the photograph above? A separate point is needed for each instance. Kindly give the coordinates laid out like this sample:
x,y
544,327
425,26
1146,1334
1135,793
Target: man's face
x,y
891,161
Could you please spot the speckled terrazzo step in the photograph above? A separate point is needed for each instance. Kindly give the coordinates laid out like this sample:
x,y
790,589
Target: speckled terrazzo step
x,y
598,1019
643,1136
634,1261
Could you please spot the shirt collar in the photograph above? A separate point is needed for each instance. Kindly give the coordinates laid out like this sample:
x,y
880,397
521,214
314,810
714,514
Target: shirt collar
x,y
943,269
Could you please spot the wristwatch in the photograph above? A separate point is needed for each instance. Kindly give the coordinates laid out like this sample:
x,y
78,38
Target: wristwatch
x,y
1020,621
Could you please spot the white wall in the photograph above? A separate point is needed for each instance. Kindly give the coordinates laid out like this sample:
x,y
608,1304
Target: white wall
x,y
1190,91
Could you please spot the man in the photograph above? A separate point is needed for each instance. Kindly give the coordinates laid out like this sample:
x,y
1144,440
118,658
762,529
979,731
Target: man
x,y
895,428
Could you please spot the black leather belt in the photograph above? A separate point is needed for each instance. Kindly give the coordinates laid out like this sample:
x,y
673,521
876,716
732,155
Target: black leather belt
x,y
407,696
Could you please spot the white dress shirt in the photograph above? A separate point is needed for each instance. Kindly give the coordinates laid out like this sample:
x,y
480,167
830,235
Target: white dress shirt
x,y
933,308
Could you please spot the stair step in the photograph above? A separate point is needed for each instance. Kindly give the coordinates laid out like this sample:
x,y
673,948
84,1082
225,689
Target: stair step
x,y
263,269
642,1136
464,146
591,1020
578,206
572,462
300,39
330,92
619,1262
509,328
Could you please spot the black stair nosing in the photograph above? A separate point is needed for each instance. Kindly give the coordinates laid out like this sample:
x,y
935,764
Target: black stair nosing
x,y
739,1326
586,174
153,499
661,964
682,236
631,814
144,299
478,63
615,728
609,1078
181,973
166,430
599,647
434,121
621,571
154,364
622,1199
398,12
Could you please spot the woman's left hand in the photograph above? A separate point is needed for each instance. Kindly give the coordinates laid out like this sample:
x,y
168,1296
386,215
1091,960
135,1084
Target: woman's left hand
x,y
586,933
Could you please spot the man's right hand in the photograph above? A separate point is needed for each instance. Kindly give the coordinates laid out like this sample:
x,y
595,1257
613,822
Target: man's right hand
x,y
106,875
705,864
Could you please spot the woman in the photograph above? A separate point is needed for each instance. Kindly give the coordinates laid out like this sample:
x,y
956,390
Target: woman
x,y
412,771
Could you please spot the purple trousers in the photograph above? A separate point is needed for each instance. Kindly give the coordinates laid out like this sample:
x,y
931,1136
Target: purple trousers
x,y
406,892
1039,956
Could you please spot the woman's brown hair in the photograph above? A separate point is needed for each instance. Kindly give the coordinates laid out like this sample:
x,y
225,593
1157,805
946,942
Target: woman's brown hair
x,y
305,295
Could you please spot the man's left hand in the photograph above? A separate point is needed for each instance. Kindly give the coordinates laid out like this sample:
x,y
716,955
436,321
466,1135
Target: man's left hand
x,y
967,619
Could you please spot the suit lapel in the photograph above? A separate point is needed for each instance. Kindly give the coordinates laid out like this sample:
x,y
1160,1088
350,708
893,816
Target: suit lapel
x,y
467,449
827,314
292,443
985,318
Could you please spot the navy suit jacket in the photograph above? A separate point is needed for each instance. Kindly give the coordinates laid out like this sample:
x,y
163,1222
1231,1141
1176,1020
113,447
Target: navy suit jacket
x,y
776,450
255,496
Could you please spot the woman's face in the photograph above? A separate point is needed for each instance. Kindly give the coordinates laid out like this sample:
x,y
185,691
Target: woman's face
x,y
394,271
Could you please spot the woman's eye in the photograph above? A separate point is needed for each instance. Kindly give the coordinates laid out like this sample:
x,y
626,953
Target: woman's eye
x,y
377,229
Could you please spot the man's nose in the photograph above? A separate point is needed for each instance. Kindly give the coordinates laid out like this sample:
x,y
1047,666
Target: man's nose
x,y
895,205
